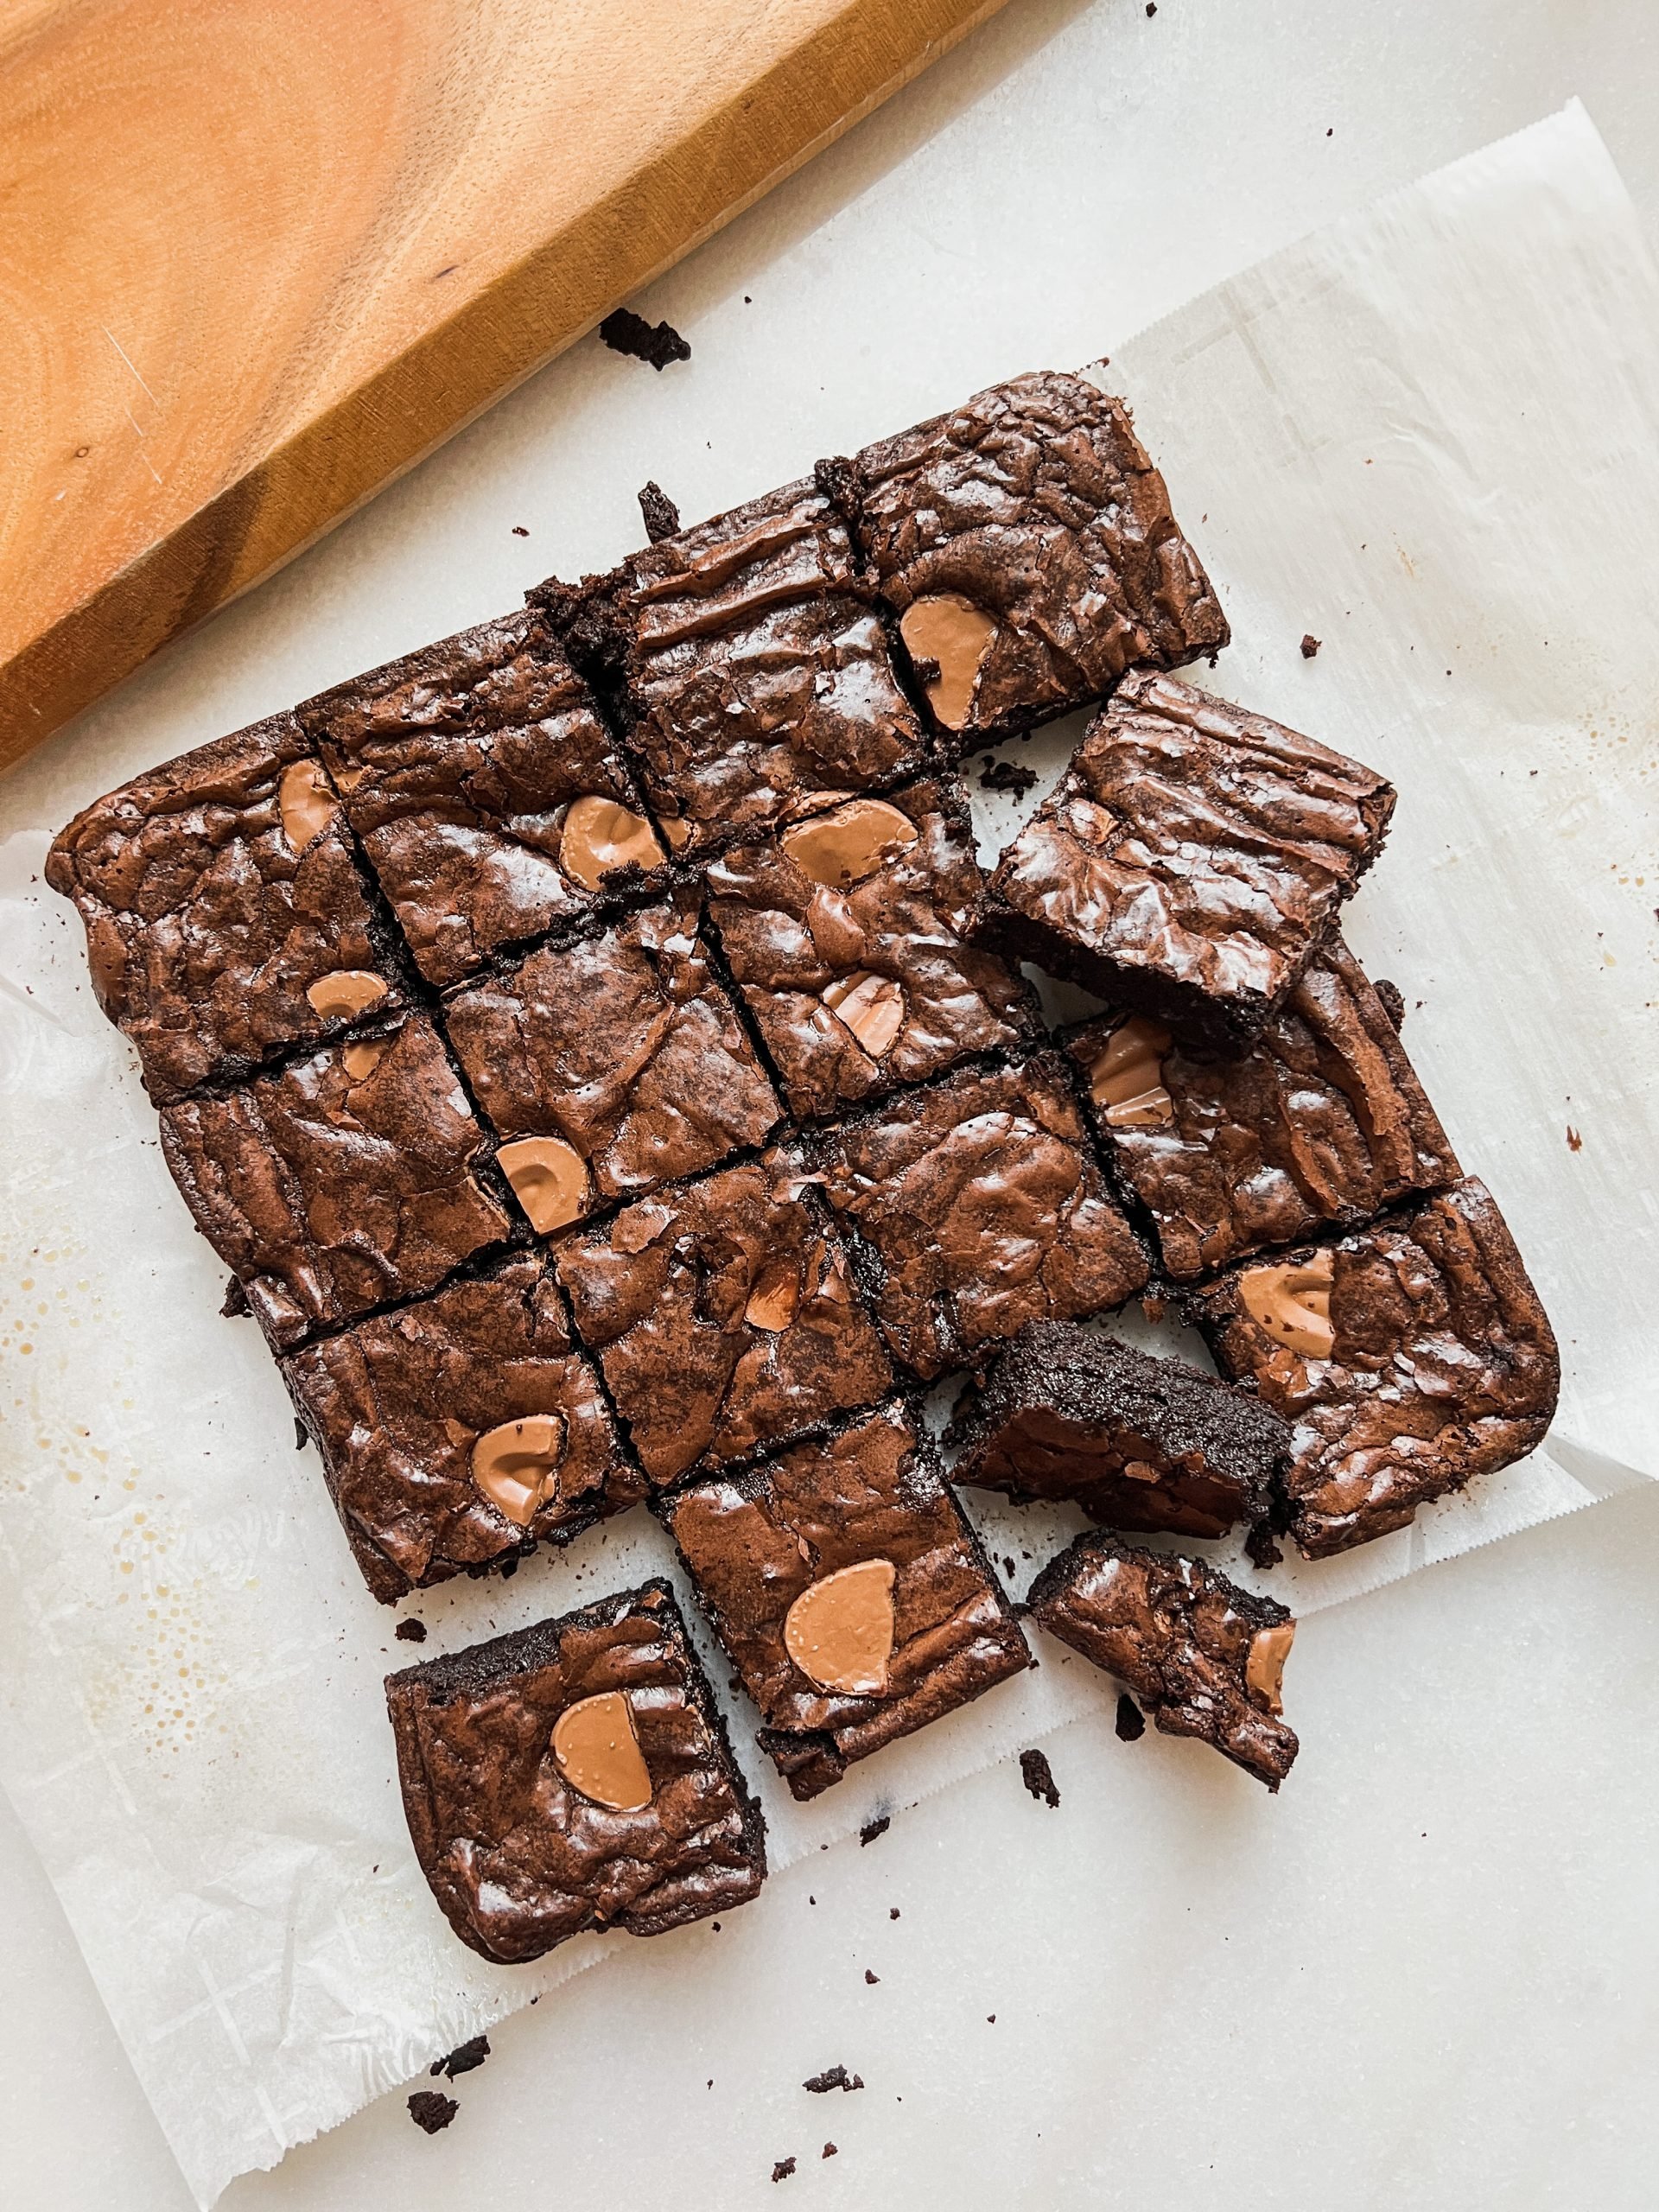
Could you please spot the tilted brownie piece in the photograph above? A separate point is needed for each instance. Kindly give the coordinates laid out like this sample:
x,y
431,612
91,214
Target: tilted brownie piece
x,y
575,1776
976,1206
461,1431
751,667
848,935
1138,1443
343,1181
1408,1357
724,1316
848,1591
489,796
1189,862
1027,544
225,919
612,1065
1324,1120
1203,1656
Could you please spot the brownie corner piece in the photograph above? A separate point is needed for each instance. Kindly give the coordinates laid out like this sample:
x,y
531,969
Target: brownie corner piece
x,y
1409,1356
1205,1657
575,1776
848,1591
1190,861
1068,1412
227,922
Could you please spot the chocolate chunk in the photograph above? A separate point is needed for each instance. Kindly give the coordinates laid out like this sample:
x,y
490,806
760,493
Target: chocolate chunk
x,y
467,2055
410,1631
660,343
431,2110
833,2077
662,516
1039,1777
873,1828
1130,1724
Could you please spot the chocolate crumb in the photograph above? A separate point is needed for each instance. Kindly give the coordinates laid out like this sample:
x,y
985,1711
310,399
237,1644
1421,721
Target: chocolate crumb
x,y
990,2019
1152,9
1008,776
235,1307
1575,1142
828,2150
892,1912
1039,1777
833,2077
518,530
662,516
1393,1000
875,1829
465,2057
1260,1548
1131,1721
1310,645
873,1979
1154,1307
431,2110
410,1631
783,2169
660,343
301,1438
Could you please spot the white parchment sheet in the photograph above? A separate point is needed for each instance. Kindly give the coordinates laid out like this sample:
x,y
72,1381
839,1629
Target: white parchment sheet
x,y
1430,437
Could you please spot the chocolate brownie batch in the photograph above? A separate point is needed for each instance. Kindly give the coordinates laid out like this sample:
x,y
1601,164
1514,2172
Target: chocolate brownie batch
x,y
593,1048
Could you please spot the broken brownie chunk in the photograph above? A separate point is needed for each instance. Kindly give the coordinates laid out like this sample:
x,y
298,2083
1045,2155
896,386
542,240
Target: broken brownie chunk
x,y
848,936
346,1180
462,1430
848,1591
1323,1120
1190,861
977,1206
225,918
489,797
1203,1656
724,1316
611,1064
575,1776
1137,1442
1408,1357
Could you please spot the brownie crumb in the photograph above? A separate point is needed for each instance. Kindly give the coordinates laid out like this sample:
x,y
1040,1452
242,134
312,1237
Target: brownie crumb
x,y
833,2077
1393,1000
1575,1142
1008,776
1260,1548
235,1307
518,530
410,1631
662,516
874,1980
302,1438
1152,9
1039,1777
1310,645
467,2055
892,1912
431,2110
827,2152
783,2169
660,343
875,1829
1131,1721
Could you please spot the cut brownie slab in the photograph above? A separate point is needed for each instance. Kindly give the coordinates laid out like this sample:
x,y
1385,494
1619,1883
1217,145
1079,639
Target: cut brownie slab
x,y
1203,1656
343,1182
489,797
724,1316
1138,1443
575,1776
462,1430
848,936
751,667
1324,1120
848,1591
611,1065
1408,1357
977,1206
225,919
1190,861
1027,544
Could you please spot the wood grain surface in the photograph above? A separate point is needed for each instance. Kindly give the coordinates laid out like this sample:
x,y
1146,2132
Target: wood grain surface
x,y
257,256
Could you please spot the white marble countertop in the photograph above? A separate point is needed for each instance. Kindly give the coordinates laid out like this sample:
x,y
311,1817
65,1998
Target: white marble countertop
x,y
1429,1980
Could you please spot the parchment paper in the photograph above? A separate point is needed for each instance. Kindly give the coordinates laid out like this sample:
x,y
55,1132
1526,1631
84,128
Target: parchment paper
x,y
1429,437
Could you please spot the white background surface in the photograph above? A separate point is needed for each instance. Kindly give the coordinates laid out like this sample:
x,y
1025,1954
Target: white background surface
x,y
1424,1977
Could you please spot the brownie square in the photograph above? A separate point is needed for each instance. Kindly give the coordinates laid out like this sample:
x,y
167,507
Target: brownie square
x,y
1027,544
575,1776
724,1316
343,1182
1203,1656
461,1431
1322,1121
848,1591
753,670
848,935
1189,862
225,919
1408,1357
612,1065
977,1206
1138,1443
489,796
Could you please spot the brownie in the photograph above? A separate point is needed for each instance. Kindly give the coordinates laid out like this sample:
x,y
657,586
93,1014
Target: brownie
x,y
575,1776
1189,862
1408,1357
849,1592
489,797
462,1430
1138,1443
848,936
343,1181
614,1063
225,918
977,1206
751,670
1027,544
1322,1121
1203,1656
724,1316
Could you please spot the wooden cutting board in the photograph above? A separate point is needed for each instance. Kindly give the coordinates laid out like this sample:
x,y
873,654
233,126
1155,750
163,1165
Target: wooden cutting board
x,y
257,256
